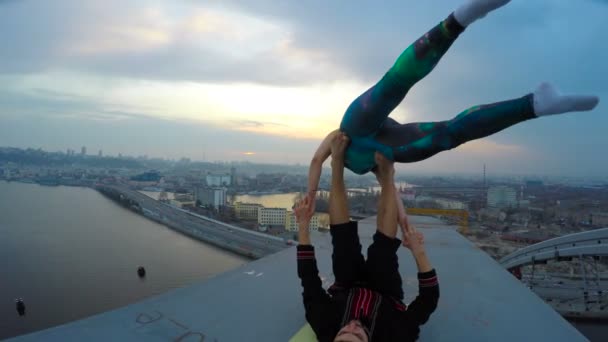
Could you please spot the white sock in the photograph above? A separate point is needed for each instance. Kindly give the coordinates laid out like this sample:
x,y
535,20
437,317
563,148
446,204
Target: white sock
x,y
548,101
475,9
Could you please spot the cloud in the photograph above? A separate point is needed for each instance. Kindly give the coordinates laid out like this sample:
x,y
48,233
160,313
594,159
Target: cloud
x,y
282,70
167,42
487,147
291,43
254,124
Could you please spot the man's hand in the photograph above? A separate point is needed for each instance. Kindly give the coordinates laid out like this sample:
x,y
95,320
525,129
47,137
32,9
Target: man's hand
x,y
413,240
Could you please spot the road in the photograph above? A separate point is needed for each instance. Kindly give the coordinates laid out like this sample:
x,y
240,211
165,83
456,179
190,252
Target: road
x,y
568,295
239,240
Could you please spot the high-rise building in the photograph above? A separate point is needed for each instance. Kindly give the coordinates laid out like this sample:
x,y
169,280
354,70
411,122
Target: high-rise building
x,y
100,154
272,216
502,197
83,151
233,180
213,196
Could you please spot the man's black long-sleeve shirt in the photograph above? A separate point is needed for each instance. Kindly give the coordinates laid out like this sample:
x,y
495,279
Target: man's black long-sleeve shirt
x,y
385,318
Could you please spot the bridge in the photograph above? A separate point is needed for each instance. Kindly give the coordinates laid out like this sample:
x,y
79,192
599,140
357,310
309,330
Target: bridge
x,y
593,243
235,239
584,294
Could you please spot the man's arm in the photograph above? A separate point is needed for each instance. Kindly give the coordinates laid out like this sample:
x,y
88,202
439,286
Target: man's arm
x,y
315,298
425,303
338,201
402,218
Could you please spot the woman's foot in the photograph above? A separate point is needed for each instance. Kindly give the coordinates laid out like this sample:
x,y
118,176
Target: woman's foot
x,y
385,169
338,146
548,101
476,9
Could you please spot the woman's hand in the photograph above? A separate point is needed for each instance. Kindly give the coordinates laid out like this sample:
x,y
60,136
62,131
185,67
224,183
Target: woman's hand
x,y
305,210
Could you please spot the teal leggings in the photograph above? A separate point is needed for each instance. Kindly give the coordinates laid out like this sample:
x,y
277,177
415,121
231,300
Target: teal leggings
x,y
370,129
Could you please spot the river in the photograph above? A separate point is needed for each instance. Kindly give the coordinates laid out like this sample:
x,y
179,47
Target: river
x,y
70,253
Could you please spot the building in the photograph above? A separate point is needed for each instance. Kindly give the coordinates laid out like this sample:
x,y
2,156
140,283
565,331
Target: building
x,y
316,222
182,202
534,184
525,237
599,219
228,211
100,154
272,216
444,203
246,211
269,180
233,179
502,197
216,180
83,151
211,196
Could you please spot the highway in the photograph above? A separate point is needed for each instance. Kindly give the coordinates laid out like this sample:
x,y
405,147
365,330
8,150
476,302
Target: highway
x,y
239,240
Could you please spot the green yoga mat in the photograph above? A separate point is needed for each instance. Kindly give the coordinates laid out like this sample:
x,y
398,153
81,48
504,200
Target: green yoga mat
x,y
304,335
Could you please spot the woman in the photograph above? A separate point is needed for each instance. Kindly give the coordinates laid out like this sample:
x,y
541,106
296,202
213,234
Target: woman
x,y
370,130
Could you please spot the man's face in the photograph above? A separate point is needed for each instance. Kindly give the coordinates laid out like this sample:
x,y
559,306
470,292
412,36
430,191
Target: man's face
x,y
352,332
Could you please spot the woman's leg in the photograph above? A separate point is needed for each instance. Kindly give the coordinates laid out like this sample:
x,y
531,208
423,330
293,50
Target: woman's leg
x,y
418,141
477,122
368,112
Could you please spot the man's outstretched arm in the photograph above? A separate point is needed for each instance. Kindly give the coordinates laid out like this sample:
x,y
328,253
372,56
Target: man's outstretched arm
x,y
338,202
316,300
425,303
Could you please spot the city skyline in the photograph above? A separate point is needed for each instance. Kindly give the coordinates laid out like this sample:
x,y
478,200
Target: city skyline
x,y
264,82
491,173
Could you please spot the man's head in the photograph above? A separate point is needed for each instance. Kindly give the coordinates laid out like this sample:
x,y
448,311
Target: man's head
x,y
352,332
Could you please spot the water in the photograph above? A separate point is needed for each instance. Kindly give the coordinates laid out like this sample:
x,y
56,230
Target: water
x,y
270,201
287,200
71,253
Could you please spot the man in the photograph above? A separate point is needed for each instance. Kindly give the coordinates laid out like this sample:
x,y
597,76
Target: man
x,y
365,302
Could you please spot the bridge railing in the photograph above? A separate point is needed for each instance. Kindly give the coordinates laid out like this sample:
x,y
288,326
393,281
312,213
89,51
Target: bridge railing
x,y
589,243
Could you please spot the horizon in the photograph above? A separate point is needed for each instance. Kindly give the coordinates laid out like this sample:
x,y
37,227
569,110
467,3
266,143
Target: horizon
x,y
400,172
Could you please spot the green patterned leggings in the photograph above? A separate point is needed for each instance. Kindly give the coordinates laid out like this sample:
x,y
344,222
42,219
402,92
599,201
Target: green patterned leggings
x,y
367,123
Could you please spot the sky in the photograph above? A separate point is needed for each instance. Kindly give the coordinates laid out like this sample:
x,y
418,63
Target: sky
x,y
265,81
